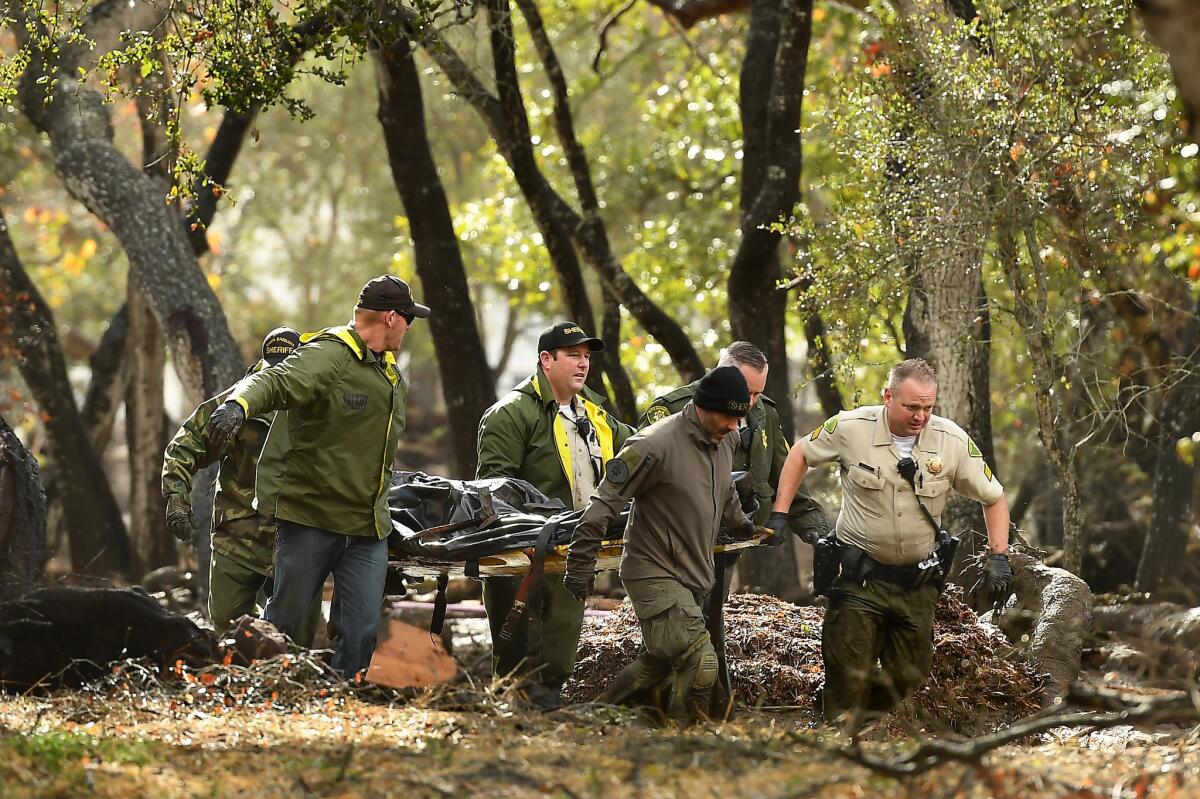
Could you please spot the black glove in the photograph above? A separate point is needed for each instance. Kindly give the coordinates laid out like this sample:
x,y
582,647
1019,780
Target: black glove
x,y
997,579
180,521
778,522
225,423
578,582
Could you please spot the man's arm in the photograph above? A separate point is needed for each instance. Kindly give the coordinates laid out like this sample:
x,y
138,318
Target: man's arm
x,y
624,476
995,517
188,451
790,477
499,444
732,516
301,378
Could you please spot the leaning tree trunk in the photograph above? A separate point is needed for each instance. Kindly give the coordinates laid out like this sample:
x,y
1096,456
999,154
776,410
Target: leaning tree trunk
x,y
22,518
96,533
772,92
109,367
466,378
1172,511
507,121
79,125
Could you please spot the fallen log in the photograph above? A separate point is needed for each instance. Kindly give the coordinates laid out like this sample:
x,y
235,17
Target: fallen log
x,y
65,636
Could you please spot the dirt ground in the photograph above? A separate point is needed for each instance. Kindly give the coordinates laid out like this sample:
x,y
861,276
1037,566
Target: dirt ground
x,y
473,743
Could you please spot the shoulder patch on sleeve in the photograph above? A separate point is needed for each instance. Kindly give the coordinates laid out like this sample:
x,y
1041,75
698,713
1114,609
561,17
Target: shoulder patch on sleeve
x,y
973,450
987,472
815,433
616,472
830,424
657,413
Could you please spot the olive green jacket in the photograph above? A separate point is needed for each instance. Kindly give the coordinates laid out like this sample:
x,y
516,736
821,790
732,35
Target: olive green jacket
x,y
764,459
345,415
236,529
682,486
522,436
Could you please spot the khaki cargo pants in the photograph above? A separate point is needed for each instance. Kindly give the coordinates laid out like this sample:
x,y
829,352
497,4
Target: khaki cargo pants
x,y
677,659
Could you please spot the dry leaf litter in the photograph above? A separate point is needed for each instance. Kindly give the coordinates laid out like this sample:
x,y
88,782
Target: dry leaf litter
x,y
774,654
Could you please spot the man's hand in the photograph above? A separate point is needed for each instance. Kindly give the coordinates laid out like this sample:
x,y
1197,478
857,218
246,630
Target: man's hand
x,y
180,521
578,582
777,521
997,579
225,423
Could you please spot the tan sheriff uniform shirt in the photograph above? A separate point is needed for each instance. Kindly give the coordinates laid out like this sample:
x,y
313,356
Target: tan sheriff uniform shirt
x,y
682,487
879,510
583,477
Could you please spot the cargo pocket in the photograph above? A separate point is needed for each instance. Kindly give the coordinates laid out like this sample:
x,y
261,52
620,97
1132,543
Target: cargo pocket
x,y
670,633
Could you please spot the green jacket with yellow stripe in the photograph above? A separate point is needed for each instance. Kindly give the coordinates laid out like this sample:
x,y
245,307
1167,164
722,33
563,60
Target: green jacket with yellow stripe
x,y
345,410
763,458
523,436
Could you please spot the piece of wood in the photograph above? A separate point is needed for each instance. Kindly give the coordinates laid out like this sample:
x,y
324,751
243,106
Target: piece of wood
x,y
409,657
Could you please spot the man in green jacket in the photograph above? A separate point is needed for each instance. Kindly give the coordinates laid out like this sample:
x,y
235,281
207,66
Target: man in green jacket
x,y
762,448
242,545
552,432
345,401
678,474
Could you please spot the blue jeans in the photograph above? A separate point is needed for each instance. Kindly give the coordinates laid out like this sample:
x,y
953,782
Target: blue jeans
x,y
304,557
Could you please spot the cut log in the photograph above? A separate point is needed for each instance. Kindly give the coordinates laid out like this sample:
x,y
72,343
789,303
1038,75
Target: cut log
x,y
65,636
409,657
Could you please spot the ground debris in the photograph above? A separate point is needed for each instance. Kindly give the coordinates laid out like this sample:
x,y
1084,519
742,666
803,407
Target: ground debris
x,y
774,653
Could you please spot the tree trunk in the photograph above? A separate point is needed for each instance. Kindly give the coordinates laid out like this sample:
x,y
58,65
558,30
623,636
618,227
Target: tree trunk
x,y
618,378
79,125
109,367
1175,26
462,361
829,394
771,98
22,518
97,538
1061,605
508,123
772,90
153,545
1172,512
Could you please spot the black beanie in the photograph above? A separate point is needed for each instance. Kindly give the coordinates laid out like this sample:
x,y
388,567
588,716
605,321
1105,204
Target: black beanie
x,y
723,390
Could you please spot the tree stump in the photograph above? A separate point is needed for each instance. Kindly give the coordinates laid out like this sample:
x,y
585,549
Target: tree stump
x,y
1060,604
22,518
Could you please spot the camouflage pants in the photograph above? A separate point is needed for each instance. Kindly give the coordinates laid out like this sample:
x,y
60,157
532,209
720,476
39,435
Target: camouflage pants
x,y
233,589
877,644
677,655
562,620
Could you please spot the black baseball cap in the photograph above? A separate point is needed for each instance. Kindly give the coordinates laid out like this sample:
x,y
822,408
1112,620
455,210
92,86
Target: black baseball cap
x,y
390,293
279,344
723,390
566,334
